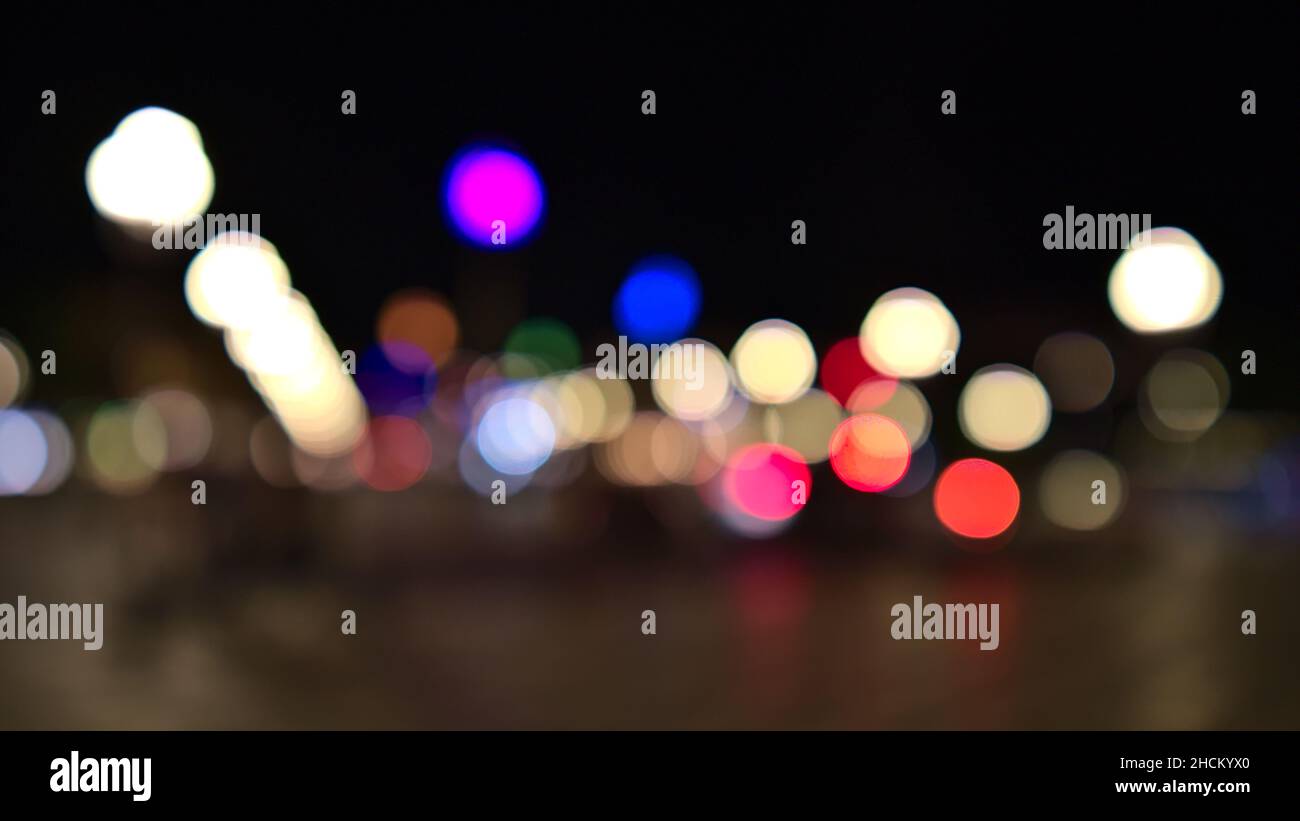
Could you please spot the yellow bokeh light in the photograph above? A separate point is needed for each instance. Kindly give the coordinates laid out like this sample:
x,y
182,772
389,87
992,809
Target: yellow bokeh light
x,y
583,403
1070,493
1183,395
722,437
126,445
695,396
618,402
774,361
629,459
804,425
561,406
1077,370
13,371
909,333
673,450
1004,408
1165,282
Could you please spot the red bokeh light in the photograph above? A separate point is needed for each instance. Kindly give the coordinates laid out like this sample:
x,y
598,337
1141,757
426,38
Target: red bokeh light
x,y
394,454
976,498
843,369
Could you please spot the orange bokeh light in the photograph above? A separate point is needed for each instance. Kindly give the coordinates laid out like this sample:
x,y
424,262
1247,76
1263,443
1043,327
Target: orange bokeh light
x,y
870,452
420,318
872,394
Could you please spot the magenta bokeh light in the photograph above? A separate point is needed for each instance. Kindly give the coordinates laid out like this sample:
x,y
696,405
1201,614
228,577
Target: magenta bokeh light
x,y
487,184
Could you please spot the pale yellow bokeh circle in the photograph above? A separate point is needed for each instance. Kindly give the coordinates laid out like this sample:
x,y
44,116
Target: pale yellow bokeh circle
x,y
774,361
1081,490
909,333
1004,408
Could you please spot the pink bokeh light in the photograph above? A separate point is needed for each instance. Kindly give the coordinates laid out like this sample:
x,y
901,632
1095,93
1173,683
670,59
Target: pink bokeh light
x,y
760,480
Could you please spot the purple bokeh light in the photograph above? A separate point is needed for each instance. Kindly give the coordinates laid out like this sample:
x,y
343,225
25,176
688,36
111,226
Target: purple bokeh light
x,y
486,184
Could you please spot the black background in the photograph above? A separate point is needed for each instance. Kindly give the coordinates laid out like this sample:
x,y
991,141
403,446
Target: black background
x,y
600,773
826,115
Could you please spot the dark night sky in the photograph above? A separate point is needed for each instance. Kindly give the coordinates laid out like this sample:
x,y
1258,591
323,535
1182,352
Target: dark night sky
x,y
759,122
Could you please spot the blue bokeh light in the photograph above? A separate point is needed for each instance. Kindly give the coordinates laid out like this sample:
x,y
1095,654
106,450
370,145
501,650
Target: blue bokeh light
x,y
658,301
390,383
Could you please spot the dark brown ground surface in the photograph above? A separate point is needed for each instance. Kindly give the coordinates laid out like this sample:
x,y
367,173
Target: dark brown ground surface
x,y
528,616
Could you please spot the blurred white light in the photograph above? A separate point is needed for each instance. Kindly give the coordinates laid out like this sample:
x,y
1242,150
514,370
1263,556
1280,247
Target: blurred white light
x,y
150,170
1165,282
23,452
288,342
240,283
515,435
908,333
235,279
